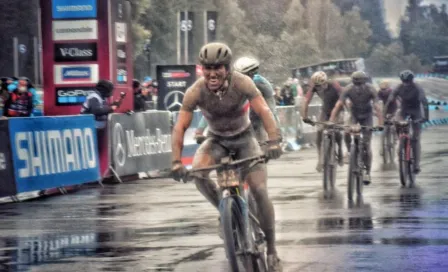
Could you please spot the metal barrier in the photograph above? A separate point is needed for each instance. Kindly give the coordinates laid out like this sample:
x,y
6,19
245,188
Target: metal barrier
x,y
139,143
190,145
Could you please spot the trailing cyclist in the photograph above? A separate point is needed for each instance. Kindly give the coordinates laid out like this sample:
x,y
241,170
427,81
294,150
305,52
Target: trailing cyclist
x,y
362,95
413,104
389,115
222,96
249,67
329,92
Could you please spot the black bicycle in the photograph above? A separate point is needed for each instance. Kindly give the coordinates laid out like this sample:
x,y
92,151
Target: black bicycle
x,y
329,153
388,140
406,157
244,240
358,156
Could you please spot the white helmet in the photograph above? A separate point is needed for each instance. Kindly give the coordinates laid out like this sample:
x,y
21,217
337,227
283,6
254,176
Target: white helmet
x,y
245,65
319,78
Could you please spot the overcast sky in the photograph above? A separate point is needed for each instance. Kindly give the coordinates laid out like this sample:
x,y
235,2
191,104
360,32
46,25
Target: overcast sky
x,y
395,8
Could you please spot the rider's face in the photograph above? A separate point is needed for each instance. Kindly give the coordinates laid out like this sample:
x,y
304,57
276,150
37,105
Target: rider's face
x,y
214,75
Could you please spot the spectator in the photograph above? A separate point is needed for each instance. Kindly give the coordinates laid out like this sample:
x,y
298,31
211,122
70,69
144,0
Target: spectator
x,y
96,103
154,88
20,100
278,96
136,86
14,82
143,101
287,94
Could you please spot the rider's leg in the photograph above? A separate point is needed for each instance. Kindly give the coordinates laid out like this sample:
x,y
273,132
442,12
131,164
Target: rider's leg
x,y
415,141
209,153
247,146
347,140
319,149
367,140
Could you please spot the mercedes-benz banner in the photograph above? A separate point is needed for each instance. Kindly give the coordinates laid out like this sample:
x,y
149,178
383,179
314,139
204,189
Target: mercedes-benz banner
x,y
173,81
140,142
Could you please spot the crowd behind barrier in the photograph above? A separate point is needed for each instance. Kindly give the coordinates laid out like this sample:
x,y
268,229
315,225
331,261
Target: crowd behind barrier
x,y
42,154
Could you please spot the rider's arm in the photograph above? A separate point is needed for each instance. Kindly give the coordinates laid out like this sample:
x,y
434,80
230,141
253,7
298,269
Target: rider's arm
x,y
376,105
308,97
258,104
392,97
183,122
424,102
268,93
339,105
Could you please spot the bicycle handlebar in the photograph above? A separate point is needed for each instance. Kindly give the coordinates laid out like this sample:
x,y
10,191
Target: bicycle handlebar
x,y
260,158
342,127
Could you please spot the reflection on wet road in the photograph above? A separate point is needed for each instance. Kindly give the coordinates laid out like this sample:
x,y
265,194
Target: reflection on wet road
x,y
161,225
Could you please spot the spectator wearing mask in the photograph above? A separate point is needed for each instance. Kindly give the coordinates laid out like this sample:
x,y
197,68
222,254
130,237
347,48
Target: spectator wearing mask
x,y
96,103
143,101
15,82
20,100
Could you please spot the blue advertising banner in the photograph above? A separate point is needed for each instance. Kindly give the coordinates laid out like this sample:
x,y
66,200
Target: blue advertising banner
x,y
69,9
50,152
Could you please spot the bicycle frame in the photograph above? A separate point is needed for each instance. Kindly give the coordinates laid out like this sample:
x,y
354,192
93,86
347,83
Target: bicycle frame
x,y
404,131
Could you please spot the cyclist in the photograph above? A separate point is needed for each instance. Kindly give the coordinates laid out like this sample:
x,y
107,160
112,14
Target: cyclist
x,y
383,95
249,66
329,92
412,98
222,97
362,95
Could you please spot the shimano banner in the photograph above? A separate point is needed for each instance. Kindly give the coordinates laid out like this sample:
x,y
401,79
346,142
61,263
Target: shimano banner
x,y
173,81
7,186
140,142
50,152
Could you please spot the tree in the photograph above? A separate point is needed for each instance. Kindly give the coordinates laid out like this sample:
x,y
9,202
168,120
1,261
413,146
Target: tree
x,y
390,60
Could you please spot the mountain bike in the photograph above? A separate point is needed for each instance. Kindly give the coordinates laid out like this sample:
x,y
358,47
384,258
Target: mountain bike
x,y
357,165
388,141
329,153
244,241
406,157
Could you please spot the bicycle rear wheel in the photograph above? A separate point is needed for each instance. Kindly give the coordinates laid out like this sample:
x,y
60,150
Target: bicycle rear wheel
x,y
392,141
353,169
385,146
329,174
403,161
257,236
235,236
411,165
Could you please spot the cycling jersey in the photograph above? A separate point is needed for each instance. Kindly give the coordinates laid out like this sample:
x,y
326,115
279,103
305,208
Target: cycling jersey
x,y
412,99
383,95
362,97
329,97
228,114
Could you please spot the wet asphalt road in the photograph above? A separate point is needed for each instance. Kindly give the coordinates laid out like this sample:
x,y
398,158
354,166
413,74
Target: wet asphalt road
x,y
161,225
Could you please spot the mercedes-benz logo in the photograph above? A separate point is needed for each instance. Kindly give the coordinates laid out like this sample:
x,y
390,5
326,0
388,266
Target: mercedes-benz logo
x,y
173,100
118,145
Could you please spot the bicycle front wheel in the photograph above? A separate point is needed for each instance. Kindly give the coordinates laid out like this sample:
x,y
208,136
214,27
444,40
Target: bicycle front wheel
x,y
232,217
403,161
353,171
329,173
